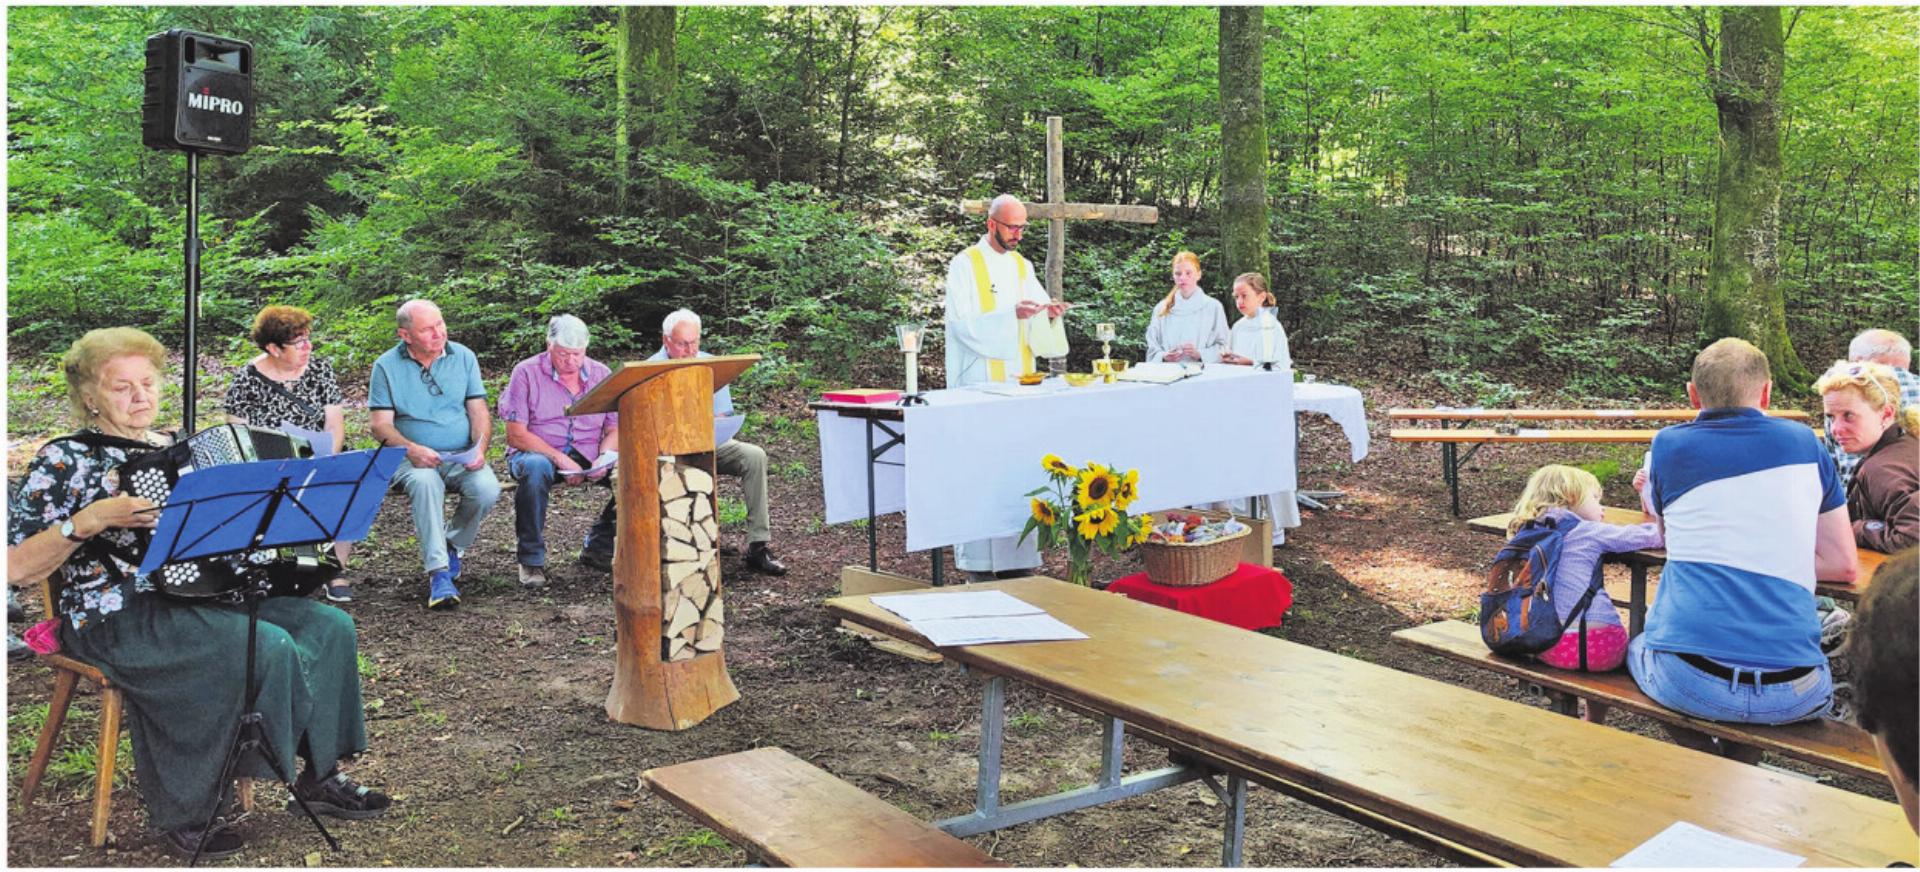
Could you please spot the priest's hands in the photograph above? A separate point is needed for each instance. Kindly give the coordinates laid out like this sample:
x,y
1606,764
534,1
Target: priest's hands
x,y
1057,308
1027,308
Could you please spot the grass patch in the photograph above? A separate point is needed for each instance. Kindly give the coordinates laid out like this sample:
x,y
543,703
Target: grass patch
x,y
76,751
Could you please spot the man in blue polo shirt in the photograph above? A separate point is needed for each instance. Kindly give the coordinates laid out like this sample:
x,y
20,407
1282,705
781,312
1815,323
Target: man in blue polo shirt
x,y
425,395
1753,512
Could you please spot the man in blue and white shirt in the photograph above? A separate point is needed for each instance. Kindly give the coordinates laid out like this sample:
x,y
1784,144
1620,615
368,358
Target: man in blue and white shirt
x,y
1877,346
1753,513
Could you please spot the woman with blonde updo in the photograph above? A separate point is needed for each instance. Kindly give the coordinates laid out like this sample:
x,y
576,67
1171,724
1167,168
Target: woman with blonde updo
x,y
1188,325
1861,401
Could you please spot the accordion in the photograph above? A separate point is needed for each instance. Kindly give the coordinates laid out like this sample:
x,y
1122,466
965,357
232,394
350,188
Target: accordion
x,y
290,571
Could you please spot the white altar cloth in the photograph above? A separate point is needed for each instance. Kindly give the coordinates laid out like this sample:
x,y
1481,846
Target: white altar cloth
x,y
1341,403
971,456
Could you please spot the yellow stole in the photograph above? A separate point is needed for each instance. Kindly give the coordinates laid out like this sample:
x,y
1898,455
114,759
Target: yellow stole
x,y
997,369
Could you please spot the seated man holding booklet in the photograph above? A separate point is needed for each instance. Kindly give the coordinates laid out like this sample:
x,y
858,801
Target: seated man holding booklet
x,y
679,340
545,444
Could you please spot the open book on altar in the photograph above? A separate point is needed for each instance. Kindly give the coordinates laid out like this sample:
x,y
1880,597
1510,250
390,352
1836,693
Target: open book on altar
x,y
1159,373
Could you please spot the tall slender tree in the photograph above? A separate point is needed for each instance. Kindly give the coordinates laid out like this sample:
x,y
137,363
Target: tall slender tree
x,y
1243,138
644,82
1744,297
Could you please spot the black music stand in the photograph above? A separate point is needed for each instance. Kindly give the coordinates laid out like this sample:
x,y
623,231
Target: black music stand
x,y
239,507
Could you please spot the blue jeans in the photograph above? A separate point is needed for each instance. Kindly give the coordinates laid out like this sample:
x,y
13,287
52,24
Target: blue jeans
x,y
536,475
427,490
1678,685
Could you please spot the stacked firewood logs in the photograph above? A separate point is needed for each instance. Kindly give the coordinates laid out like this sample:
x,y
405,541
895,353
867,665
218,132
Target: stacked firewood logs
x,y
689,567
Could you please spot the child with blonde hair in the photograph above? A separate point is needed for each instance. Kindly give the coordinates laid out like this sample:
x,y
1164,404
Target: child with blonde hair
x,y
1560,494
1188,325
1249,343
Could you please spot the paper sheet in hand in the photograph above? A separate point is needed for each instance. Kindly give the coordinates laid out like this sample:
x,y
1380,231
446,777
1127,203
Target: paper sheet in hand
x,y
948,632
604,461
461,457
321,440
1685,846
725,427
955,604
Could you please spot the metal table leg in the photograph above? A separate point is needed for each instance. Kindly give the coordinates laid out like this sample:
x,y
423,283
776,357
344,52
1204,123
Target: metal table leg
x,y
1637,600
873,529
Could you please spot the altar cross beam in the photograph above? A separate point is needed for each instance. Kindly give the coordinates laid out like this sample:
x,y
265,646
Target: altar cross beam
x,y
1056,210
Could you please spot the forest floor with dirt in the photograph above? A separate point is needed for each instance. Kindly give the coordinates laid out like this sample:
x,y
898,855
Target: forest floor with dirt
x,y
487,722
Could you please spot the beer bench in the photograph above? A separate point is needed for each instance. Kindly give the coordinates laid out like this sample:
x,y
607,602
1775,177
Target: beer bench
x,y
1455,427
1826,743
789,812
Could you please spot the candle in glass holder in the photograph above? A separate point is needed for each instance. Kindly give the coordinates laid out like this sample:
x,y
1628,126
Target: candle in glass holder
x,y
1104,331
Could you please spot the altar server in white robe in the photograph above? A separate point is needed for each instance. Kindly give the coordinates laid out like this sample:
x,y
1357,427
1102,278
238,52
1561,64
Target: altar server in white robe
x,y
1257,338
999,319
1189,325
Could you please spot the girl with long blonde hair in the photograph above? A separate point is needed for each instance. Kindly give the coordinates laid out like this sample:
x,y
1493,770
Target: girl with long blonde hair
x,y
1188,325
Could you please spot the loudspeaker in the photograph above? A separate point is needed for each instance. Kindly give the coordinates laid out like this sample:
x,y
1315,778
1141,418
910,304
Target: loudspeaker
x,y
199,93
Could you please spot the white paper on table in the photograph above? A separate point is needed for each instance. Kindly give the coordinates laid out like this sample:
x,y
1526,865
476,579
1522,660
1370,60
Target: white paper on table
x,y
461,457
1685,846
1017,390
725,427
321,440
1530,431
955,604
999,628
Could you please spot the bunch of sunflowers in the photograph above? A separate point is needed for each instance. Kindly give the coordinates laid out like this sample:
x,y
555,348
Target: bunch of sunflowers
x,y
1086,507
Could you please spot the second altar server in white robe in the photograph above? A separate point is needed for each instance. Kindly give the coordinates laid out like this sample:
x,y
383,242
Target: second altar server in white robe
x,y
1188,325
999,320
1258,338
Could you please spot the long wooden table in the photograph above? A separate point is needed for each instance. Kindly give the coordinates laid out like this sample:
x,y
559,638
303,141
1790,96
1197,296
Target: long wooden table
x,y
1456,765
1454,429
1638,562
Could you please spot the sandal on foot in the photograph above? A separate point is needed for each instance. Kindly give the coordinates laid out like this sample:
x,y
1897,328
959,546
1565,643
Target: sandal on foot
x,y
338,796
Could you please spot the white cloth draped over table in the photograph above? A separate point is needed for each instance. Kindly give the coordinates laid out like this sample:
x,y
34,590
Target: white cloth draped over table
x,y
971,456
986,342
1199,319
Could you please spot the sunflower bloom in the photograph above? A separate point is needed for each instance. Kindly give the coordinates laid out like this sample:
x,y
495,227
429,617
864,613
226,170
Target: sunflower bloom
x,y
1097,485
1126,490
1055,466
1044,512
1097,521
1143,531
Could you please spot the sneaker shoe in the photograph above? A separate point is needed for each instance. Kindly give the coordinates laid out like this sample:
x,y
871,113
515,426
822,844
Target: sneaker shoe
x,y
760,559
219,843
532,577
598,561
453,563
1834,629
17,649
338,796
338,590
442,594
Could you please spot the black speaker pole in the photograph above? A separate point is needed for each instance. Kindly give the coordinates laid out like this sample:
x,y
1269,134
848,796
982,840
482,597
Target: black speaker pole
x,y
192,368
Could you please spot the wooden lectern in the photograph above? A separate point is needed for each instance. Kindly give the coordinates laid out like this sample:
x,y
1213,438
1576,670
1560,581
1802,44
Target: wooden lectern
x,y
670,671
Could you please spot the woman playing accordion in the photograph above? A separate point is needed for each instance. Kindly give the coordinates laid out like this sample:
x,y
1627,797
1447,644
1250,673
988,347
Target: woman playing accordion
x,y
180,665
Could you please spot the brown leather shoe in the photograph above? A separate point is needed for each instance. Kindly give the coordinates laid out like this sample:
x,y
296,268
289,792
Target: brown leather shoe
x,y
760,559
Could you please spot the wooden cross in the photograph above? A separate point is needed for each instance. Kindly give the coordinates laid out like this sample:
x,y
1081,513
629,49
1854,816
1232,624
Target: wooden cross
x,y
1056,210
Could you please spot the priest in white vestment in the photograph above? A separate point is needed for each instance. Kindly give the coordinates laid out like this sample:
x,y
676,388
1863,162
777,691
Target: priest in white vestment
x,y
999,319
1188,325
1257,338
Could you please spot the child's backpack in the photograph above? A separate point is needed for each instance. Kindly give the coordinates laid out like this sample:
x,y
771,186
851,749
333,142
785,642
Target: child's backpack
x,y
1517,615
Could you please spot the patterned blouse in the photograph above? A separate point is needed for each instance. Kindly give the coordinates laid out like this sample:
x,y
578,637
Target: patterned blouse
x,y
255,398
63,478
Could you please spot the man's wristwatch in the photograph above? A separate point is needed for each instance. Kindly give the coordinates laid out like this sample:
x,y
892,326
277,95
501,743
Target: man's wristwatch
x,y
67,530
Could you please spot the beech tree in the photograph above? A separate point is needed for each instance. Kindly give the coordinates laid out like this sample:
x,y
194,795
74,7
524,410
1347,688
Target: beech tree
x,y
1243,136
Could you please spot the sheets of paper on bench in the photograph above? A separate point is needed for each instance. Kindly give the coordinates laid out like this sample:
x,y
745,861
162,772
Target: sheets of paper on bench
x,y
1686,846
952,618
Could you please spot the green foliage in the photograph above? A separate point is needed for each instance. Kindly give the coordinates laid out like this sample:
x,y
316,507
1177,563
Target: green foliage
x,y
76,754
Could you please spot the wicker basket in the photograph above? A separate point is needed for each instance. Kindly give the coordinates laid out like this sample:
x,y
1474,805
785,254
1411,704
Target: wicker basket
x,y
1192,564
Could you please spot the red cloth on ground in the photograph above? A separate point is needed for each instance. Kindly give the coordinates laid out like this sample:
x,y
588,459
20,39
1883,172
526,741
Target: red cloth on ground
x,y
1252,598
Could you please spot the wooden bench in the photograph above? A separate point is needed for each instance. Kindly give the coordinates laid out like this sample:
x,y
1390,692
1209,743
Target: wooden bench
x,y
1828,743
1640,590
789,812
1454,429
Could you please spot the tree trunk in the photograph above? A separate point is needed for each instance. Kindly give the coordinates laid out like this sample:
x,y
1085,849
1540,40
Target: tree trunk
x,y
1243,137
644,78
1744,297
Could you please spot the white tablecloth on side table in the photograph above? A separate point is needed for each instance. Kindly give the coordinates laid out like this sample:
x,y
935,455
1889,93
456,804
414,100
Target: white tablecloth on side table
x,y
1339,402
971,456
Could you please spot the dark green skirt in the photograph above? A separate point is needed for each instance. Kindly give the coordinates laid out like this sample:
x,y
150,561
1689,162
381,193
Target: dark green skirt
x,y
182,670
